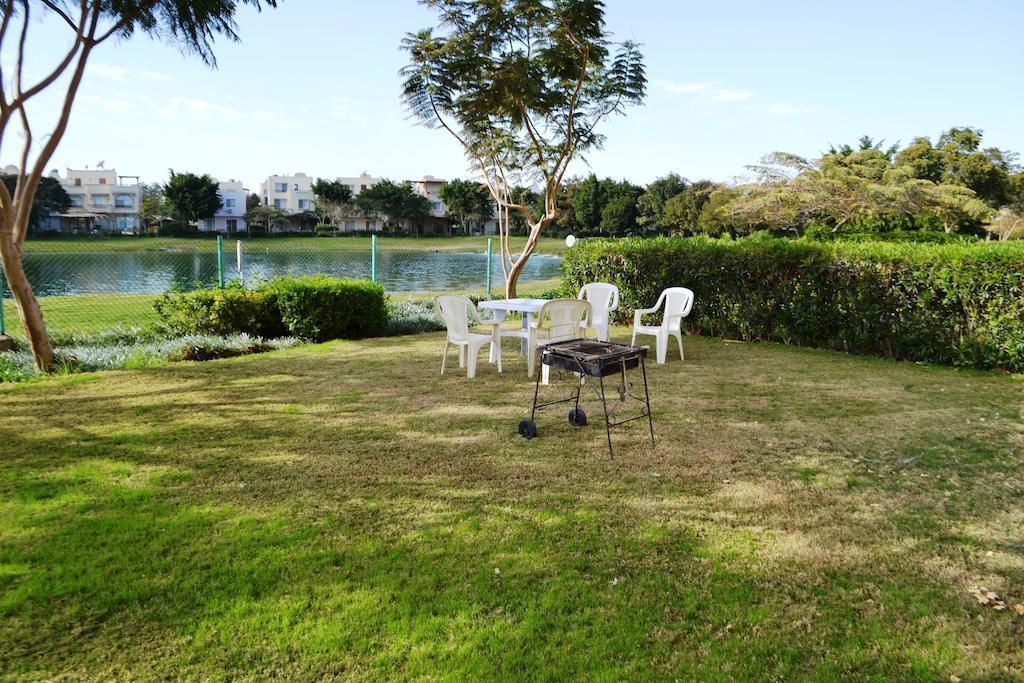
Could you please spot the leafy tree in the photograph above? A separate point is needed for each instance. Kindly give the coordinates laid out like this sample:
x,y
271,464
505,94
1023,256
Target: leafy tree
x,y
467,201
619,213
717,217
51,198
651,204
522,85
333,200
267,217
1006,224
252,201
682,211
587,202
153,207
192,24
398,203
191,197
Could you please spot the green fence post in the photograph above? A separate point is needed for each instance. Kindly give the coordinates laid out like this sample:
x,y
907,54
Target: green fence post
x,y
490,254
220,261
3,289
373,257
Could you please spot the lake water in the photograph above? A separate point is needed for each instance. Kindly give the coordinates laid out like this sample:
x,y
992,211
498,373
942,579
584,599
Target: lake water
x,y
154,272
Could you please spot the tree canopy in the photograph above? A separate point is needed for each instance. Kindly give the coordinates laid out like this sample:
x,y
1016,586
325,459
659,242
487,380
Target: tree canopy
x,y
51,198
191,197
522,85
467,201
398,203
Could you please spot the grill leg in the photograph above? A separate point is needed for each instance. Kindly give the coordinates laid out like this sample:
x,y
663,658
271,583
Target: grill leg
x,y
647,399
536,391
607,422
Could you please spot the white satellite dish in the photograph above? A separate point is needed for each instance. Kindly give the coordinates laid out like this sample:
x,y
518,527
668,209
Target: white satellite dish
x,y
570,240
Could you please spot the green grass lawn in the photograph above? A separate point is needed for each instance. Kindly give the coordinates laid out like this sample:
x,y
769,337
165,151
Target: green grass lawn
x,y
88,312
546,245
344,511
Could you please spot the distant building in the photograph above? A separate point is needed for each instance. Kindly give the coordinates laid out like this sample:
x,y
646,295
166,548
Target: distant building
x,y
101,201
230,218
290,193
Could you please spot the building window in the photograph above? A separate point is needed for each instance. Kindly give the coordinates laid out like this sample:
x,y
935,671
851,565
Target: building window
x,y
229,203
232,225
278,203
436,205
124,201
362,187
280,187
77,201
78,182
103,181
305,204
350,225
99,200
126,222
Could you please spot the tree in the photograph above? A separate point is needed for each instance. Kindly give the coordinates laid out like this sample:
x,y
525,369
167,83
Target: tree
x,y
619,213
191,198
268,217
153,208
252,200
333,200
652,203
682,211
587,202
192,24
51,198
1007,224
522,85
398,203
466,201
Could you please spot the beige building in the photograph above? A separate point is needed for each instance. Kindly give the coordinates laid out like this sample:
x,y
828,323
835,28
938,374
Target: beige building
x,y
290,193
101,201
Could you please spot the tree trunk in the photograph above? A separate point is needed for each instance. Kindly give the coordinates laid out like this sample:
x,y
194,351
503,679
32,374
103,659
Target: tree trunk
x,y
28,308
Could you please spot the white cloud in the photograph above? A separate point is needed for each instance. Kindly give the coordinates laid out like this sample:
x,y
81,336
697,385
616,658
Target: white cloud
x,y
722,95
684,88
704,92
782,110
121,74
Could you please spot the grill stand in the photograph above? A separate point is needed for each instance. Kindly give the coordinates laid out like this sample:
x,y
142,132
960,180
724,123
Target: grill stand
x,y
531,431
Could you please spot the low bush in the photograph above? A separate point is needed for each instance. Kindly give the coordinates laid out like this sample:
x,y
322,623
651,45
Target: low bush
x,y
315,308
232,310
952,304
320,308
412,317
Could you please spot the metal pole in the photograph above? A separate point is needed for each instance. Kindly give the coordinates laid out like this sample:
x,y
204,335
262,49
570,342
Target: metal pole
x,y
3,289
239,251
373,257
490,255
220,261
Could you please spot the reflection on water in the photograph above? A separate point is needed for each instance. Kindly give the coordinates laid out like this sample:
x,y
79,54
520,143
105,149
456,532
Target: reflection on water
x,y
62,274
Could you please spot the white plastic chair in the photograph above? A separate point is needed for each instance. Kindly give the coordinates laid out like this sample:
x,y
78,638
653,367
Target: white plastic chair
x,y
603,298
677,302
456,312
566,322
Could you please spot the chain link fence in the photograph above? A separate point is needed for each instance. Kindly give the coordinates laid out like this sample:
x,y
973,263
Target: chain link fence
x,y
89,285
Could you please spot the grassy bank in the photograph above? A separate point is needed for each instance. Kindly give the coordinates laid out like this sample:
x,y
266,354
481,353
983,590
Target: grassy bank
x,y
547,245
344,511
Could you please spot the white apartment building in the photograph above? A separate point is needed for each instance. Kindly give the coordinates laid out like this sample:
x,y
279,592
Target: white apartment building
x,y
101,200
290,193
230,218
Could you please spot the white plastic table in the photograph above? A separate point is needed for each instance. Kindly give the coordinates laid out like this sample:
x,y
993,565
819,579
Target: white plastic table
x,y
528,307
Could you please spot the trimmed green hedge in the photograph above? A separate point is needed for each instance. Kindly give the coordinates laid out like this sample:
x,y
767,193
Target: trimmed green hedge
x,y
951,304
315,308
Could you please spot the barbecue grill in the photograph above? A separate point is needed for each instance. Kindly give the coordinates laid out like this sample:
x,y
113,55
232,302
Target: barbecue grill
x,y
590,358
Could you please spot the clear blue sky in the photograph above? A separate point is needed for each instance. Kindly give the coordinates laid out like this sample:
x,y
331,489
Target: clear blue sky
x,y
314,87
